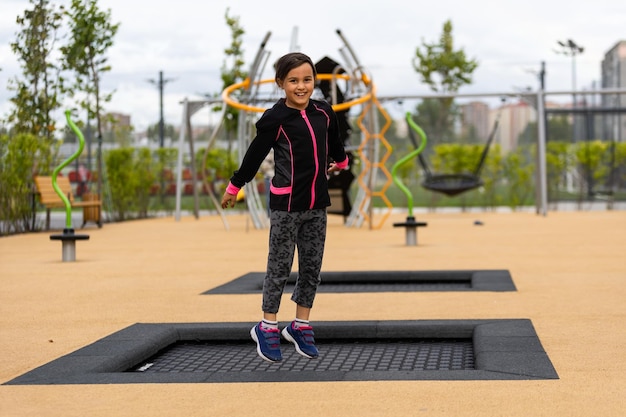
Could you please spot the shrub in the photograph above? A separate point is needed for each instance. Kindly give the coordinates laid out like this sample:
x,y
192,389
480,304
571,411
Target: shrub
x,y
21,156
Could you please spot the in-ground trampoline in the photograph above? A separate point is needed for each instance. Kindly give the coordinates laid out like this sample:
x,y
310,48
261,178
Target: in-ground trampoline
x,y
383,281
502,349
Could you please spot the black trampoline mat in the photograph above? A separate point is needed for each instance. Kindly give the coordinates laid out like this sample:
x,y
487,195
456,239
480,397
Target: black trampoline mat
x,y
501,349
346,356
383,281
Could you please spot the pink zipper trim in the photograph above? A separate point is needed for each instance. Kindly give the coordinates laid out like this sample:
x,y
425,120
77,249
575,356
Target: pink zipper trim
x,y
291,158
317,167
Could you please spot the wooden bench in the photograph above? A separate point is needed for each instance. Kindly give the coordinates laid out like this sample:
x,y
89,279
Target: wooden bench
x,y
50,199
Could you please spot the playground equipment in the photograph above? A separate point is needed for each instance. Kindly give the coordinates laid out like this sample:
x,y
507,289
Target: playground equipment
x,y
451,184
359,91
597,188
410,225
357,83
68,238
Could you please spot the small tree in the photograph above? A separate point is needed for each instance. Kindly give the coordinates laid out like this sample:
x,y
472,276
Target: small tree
x,y
557,163
37,94
91,35
18,159
234,74
29,146
132,172
445,70
518,173
592,158
153,132
618,179
165,165
491,175
230,76
437,120
122,182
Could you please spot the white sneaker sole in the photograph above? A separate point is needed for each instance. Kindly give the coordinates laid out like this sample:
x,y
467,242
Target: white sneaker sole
x,y
258,346
290,338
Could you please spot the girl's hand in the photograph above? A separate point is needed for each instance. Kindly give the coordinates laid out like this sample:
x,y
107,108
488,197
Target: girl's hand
x,y
332,167
228,199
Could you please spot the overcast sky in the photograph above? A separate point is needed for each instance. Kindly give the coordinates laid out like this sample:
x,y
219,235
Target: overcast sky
x,y
186,40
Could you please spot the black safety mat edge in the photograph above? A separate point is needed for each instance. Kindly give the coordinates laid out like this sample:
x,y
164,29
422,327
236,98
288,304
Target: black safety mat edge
x,y
383,281
504,349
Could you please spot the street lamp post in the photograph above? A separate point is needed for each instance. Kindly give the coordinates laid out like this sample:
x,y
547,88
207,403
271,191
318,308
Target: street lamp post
x,y
570,48
160,84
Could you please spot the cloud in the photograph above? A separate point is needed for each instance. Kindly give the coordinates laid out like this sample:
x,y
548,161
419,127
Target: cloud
x,y
186,40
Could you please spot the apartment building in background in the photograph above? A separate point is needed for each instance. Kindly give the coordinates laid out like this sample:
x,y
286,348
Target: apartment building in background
x,y
514,119
475,115
614,76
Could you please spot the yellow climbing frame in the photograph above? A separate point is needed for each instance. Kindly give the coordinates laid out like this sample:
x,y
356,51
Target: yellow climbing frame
x,y
369,141
369,168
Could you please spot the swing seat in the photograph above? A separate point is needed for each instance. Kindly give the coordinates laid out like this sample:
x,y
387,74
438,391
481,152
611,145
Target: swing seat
x,y
451,184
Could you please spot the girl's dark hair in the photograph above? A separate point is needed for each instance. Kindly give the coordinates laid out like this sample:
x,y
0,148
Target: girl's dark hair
x,y
290,61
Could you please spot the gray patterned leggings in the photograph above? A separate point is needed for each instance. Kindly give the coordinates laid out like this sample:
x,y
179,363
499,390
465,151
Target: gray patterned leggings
x,y
305,230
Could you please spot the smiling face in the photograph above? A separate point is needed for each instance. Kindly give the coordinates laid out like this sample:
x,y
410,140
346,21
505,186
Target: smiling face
x,y
298,85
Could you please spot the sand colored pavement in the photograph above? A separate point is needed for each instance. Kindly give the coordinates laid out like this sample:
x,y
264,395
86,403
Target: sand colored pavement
x,y
569,269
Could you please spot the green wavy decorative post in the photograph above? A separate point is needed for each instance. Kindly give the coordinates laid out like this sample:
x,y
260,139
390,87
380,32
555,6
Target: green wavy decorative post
x,y
68,238
405,159
410,225
55,173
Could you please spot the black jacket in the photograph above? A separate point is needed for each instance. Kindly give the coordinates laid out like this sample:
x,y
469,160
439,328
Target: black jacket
x,y
303,141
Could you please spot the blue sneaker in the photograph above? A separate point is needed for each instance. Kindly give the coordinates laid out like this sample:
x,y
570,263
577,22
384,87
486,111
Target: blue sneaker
x,y
267,343
302,338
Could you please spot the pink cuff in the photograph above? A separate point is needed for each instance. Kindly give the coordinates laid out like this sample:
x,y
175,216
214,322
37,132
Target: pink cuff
x,y
231,189
343,164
